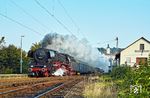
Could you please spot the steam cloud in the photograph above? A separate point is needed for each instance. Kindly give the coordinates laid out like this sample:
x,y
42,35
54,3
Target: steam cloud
x,y
79,49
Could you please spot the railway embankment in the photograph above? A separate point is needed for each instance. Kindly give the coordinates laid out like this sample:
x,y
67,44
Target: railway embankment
x,y
94,87
64,87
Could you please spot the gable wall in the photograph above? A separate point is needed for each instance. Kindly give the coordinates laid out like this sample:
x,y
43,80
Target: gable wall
x,y
133,52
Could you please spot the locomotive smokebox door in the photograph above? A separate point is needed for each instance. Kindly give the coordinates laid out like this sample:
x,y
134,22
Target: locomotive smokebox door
x,y
40,55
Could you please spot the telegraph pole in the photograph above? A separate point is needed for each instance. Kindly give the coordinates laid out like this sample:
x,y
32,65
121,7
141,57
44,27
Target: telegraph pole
x,y
21,56
116,42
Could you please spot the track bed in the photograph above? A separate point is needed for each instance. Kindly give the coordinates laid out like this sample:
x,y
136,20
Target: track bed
x,y
37,87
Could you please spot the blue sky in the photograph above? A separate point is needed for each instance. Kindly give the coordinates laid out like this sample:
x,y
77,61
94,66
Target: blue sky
x,y
99,20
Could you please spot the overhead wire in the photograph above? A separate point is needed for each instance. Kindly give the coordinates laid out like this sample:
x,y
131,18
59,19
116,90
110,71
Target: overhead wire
x,y
23,10
68,14
106,42
53,7
52,15
78,28
13,20
109,41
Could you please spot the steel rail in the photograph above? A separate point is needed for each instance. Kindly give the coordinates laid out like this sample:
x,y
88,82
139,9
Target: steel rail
x,y
52,89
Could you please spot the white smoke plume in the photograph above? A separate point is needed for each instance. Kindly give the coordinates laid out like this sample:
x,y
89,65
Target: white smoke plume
x,y
79,49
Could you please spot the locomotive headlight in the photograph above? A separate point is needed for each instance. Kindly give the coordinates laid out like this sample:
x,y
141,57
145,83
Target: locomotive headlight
x,y
31,66
44,66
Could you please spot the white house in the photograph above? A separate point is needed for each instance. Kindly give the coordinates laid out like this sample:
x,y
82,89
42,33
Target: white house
x,y
110,56
135,53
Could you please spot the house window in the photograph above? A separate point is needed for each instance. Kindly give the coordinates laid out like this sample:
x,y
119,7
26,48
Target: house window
x,y
128,59
142,47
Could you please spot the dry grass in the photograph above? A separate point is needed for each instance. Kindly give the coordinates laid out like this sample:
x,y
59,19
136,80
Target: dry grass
x,y
103,88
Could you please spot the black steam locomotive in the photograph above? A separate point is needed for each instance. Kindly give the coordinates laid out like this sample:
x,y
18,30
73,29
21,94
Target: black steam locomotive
x,y
47,62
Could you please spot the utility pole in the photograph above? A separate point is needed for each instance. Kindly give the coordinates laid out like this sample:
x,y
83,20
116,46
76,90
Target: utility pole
x,y
116,42
21,56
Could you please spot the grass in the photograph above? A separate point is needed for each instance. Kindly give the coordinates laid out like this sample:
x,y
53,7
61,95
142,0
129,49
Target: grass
x,y
103,88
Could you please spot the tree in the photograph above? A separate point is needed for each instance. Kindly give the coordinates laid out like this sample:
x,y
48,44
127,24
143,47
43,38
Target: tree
x,y
2,41
10,60
35,46
131,76
3,61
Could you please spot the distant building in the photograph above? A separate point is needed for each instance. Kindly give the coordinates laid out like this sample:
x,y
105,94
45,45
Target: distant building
x,y
108,50
136,53
110,54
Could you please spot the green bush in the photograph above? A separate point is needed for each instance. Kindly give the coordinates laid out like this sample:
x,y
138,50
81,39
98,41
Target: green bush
x,y
120,72
10,60
132,76
8,71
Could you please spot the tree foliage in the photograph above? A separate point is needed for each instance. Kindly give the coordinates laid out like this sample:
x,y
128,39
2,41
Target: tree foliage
x,y
2,42
35,46
132,76
120,72
10,60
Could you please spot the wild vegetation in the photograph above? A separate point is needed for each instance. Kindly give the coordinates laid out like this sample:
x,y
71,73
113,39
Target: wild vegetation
x,y
122,82
35,46
101,88
10,58
132,82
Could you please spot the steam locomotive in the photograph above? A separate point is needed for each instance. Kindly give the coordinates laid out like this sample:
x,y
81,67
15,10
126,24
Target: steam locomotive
x,y
47,62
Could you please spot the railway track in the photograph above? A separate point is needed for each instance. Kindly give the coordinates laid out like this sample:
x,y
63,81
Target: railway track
x,y
62,90
56,86
16,82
